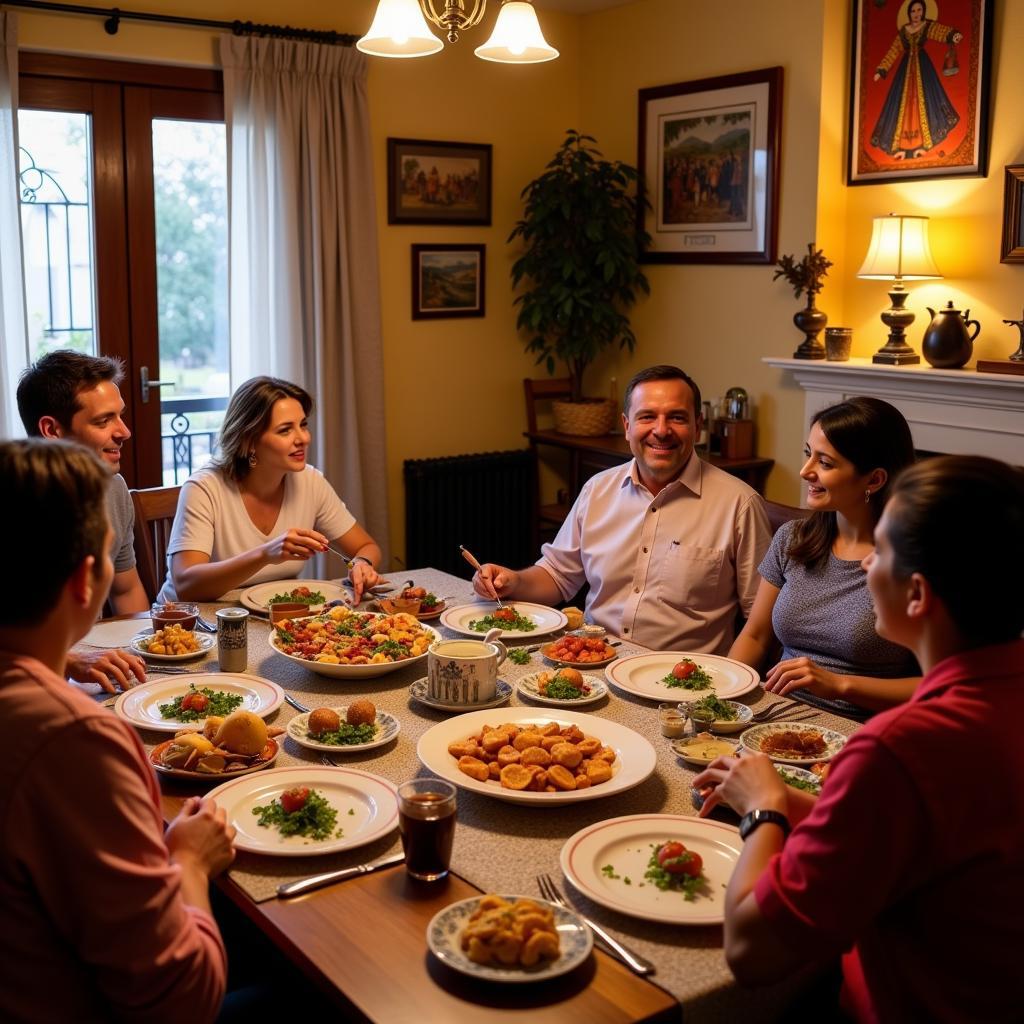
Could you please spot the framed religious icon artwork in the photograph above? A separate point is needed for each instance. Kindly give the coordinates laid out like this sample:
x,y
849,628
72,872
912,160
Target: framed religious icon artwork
x,y
447,281
709,169
1013,215
438,182
919,94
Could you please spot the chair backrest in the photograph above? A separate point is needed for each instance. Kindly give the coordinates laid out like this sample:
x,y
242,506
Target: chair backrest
x,y
154,513
779,514
543,389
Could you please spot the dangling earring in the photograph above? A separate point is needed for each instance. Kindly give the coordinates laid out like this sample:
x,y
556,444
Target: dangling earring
x,y
252,459
867,491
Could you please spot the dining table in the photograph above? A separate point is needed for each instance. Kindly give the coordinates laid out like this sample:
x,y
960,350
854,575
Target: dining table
x,y
363,941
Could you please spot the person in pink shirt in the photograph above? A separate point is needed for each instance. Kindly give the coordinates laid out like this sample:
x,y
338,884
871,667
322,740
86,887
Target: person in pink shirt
x,y
910,865
668,544
103,915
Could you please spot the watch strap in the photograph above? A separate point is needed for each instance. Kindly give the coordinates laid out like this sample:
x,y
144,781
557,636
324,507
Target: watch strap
x,y
756,818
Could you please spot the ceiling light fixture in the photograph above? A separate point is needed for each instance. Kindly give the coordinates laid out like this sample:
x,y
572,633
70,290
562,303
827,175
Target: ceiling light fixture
x,y
400,29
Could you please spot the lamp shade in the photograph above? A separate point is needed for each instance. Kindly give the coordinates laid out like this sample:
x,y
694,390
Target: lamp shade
x,y
399,30
517,38
899,250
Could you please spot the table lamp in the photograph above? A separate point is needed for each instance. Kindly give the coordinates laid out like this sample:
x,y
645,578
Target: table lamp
x,y
898,252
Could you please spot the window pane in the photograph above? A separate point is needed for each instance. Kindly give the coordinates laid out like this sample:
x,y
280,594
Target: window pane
x,y
57,230
190,193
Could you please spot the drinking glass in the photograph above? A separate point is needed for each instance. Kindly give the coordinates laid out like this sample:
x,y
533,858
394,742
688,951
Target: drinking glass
x,y
426,818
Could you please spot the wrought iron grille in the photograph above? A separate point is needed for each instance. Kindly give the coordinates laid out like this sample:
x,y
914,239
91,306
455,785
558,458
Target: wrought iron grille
x,y
184,446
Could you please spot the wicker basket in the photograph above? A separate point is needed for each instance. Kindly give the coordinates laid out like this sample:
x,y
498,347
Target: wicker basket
x,y
589,418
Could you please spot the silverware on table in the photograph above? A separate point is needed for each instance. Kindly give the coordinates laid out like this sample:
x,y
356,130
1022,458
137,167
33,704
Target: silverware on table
x,y
780,711
329,877
297,704
636,963
471,558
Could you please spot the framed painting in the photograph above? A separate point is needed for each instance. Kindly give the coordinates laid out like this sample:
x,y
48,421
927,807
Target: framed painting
x,y
438,182
708,158
1013,216
919,94
447,281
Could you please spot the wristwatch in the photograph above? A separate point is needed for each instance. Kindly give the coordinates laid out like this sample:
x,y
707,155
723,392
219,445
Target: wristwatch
x,y
359,558
756,818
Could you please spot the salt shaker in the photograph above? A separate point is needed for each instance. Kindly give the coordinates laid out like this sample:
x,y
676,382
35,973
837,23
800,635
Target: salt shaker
x,y
232,639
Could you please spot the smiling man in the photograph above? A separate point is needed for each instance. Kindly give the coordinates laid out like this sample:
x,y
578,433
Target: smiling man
x,y
76,397
668,543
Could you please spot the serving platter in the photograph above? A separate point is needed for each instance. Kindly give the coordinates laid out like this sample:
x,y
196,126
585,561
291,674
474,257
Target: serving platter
x,y
545,619
257,598
528,686
267,757
635,760
625,845
754,738
372,800
641,675
141,704
205,640
445,930
388,727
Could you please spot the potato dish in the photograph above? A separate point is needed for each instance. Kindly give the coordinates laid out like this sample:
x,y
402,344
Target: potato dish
x,y
171,640
346,637
538,758
510,934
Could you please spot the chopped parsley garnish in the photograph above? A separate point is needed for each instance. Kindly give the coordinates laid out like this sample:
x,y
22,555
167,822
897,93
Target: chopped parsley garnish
x,y
430,601
691,886
392,648
501,619
798,783
713,708
316,818
302,595
520,655
218,703
559,689
698,679
609,871
348,735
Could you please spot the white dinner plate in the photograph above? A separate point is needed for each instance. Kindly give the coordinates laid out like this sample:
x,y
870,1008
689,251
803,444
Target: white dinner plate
x,y
623,845
420,690
755,736
372,800
527,687
445,931
387,729
635,762
141,704
641,675
545,619
354,671
205,640
257,598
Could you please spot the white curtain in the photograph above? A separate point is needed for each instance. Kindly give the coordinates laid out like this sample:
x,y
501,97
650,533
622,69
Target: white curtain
x,y
13,325
305,295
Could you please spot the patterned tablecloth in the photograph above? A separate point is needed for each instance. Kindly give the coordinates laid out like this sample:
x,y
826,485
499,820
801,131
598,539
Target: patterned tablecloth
x,y
501,846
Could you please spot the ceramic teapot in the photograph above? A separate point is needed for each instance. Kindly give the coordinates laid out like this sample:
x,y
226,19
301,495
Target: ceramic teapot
x,y
948,343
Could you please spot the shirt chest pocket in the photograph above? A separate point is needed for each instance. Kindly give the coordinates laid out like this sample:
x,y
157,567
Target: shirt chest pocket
x,y
690,575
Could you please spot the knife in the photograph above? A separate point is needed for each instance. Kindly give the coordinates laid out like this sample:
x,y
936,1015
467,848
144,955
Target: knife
x,y
329,877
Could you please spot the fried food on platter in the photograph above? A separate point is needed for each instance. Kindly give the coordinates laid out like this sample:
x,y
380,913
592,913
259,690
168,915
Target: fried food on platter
x,y
520,934
790,743
171,639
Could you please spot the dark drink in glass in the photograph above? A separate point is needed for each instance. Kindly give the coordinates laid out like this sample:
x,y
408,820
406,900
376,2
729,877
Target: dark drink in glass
x,y
426,818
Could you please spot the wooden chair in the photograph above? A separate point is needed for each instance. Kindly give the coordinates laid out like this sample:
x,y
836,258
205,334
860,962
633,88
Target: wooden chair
x,y
547,518
154,513
779,514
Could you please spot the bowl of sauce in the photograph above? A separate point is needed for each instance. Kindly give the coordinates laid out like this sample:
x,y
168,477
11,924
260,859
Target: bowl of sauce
x,y
703,748
174,613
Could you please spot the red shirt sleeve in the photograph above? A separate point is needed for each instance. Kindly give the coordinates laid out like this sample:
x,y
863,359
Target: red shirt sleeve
x,y
86,830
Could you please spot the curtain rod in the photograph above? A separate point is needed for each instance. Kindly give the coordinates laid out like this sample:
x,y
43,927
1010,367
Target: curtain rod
x,y
114,15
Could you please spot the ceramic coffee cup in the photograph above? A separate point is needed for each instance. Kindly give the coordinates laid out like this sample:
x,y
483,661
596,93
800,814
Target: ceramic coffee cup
x,y
465,671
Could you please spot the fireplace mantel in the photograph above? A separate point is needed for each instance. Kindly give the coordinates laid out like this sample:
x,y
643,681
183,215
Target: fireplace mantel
x,y
961,412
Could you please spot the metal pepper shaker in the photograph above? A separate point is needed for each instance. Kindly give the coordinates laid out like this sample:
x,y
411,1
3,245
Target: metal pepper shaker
x,y
232,639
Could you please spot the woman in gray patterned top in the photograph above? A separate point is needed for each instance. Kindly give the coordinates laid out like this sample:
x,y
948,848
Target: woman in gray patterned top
x,y
813,596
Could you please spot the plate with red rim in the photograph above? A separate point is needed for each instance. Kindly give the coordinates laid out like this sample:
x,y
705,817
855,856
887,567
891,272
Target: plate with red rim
x,y
267,756
544,619
598,859
642,674
257,598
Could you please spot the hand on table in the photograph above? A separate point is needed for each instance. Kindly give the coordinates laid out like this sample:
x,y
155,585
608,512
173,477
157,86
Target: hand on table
x,y
745,783
113,670
200,837
494,581
802,673
363,576
294,545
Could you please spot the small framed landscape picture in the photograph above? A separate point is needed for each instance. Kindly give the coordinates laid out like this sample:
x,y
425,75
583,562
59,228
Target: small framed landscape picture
x,y
447,281
438,182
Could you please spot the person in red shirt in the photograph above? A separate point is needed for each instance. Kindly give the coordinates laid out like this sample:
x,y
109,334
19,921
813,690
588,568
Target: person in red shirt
x,y
103,915
911,862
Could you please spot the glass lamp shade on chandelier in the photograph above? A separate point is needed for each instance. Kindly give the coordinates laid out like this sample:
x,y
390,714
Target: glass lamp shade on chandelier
x,y
400,29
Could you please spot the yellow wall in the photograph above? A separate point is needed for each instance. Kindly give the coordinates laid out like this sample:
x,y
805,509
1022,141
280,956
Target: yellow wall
x,y
452,386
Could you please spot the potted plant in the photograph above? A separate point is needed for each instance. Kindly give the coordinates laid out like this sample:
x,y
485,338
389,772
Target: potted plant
x,y
580,266
807,275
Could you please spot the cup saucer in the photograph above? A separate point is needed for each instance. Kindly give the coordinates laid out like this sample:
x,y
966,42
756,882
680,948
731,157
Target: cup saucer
x,y
420,691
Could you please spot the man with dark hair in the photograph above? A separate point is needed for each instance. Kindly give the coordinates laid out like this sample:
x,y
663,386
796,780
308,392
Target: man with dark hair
x,y
668,543
103,915
74,396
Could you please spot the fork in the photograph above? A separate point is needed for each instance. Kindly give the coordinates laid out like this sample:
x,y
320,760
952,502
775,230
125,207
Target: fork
x,y
471,558
636,963
779,712
328,761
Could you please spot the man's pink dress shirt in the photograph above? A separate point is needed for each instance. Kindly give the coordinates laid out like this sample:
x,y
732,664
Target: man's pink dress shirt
x,y
92,923
667,572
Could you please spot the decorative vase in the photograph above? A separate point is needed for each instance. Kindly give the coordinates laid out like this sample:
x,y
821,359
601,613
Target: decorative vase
x,y
812,322
588,418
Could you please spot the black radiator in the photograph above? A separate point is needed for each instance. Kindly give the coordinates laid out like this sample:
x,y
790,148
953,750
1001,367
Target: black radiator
x,y
483,501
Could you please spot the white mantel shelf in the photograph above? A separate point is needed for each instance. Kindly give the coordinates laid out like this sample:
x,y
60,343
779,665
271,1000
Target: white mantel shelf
x,y
958,411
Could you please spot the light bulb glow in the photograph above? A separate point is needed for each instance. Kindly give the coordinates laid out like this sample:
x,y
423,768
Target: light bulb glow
x,y
517,37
